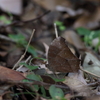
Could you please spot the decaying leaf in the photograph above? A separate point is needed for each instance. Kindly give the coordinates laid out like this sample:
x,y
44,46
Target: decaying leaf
x,y
67,96
4,88
91,64
70,11
7,74
46,49
89,21
51,4
60,58
96,97
13,6
74,39
2,54
13,57
78,84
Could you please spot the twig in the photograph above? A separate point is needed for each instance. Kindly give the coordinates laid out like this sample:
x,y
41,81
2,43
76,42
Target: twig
x,y
40,83
25,62
56,30
89,72
34,82
6,38
21,22
25,50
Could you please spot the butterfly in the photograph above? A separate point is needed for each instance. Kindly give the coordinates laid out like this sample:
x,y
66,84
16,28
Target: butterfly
x,y
60,57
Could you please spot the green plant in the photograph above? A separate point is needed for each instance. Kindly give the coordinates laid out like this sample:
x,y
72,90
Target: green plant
x,y
89,35
56,93
5,20
29,66
60,25
33,77
20,40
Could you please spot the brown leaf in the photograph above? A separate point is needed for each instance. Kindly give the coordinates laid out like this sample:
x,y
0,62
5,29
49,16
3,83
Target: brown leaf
x,y
3,53
51,4
90,21
9,5
67,96
60,58
77,83
13,57
46,49
96,97
7,74
73,39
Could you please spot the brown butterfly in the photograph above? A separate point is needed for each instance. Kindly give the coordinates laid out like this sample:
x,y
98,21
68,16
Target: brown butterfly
x,y
60,57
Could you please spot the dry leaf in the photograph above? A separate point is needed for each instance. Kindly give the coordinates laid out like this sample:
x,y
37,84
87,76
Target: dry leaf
x,y
93,98
3,53
89,21
51,4
77,84
13,57
13,6
60,58
4,87
46,49
91,64
67,96
74,39
70,11
7,74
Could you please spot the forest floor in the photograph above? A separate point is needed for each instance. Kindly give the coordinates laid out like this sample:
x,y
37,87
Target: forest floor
x,y
50,50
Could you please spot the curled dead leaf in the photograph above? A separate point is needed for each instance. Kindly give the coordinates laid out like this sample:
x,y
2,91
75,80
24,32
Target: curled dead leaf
x,y
7,74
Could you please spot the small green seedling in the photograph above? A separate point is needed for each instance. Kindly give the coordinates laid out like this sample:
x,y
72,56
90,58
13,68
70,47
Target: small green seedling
x,y
89,35
29,66
5,20
60,25
33,77
20,40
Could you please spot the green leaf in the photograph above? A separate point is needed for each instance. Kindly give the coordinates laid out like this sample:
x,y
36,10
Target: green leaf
x,y
33,77
43,91
58,80
56,93
59,93
83,31
59,23
62,28
5,20
96,34
29,66
19,38
32,50
52,91
40,58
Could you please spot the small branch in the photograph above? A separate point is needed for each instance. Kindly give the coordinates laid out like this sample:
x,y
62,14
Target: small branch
x,y
40,83
56,32
23,22
25,62
89,72
6,38
25,50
